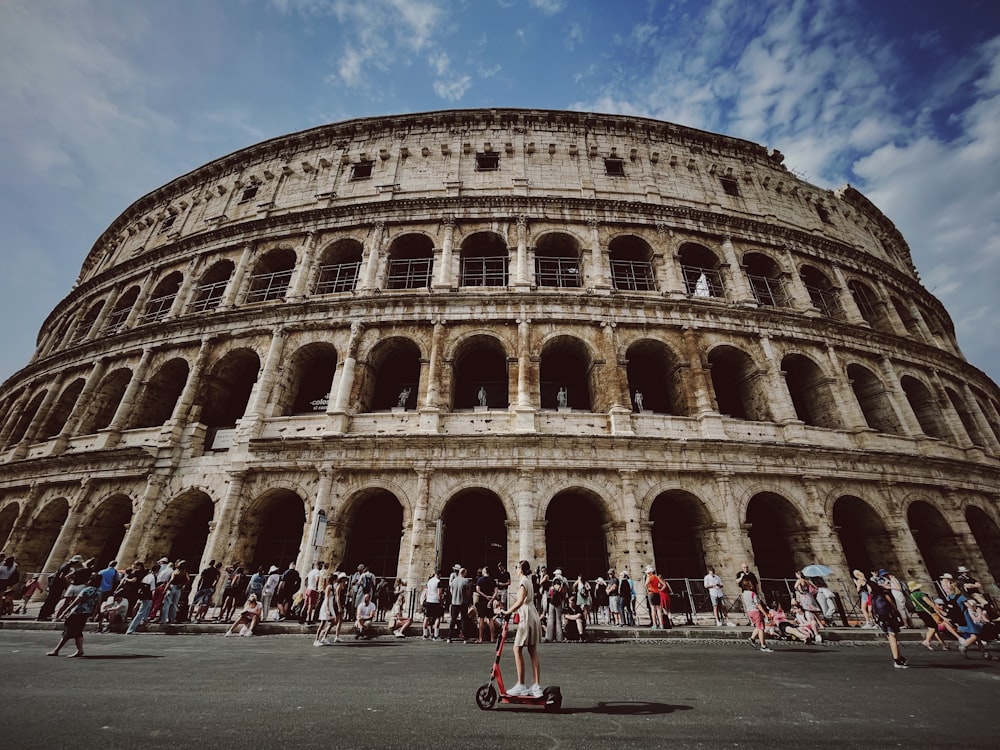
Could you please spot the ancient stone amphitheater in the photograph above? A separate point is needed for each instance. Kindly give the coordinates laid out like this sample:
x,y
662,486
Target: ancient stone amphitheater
x,y
482,335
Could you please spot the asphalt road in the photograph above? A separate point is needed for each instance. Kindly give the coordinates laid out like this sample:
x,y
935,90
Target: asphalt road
x,y
151,691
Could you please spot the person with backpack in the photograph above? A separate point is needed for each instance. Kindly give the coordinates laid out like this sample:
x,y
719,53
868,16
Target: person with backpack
x,y
288,586
144,595
553,611
887,618
78,612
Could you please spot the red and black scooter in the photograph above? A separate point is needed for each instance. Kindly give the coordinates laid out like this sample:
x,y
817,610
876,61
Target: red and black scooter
x,y
487,695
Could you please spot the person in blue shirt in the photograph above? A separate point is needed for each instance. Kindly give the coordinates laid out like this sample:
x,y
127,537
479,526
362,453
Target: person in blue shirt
x,y
78,612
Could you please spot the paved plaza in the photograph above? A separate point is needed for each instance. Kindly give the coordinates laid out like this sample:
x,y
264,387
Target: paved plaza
x,y
180,691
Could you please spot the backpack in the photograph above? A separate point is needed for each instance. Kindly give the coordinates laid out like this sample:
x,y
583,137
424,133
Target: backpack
x,y
884,611
143,590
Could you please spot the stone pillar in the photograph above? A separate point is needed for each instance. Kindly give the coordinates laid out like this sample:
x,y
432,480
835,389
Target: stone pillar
x,y
955,425
824,541
666,264
522,277
141,300
524,497
14,414
60,551
222,538
81,405
41,416
340,391
186,289
253,420
140,524
893,391
418,530
739,548
127,404
889,310
992,444
617,392
637,537
781,401
310,553
373,255
237,279
847,303
102,317
800,298
741,292
430,376
524,410
303,270
921,323
597,274
444,272
850,410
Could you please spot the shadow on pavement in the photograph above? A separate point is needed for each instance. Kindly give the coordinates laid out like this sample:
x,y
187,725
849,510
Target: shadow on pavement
x,y
121,656
616,708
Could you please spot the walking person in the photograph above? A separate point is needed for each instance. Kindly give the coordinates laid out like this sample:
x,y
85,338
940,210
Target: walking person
x,y
144,595
529,632
178,581
79,611
932,616
756,612
714,587
887,618
57,584
461,598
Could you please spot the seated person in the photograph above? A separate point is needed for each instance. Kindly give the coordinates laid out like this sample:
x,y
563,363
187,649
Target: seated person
x,y
365,616
774,622
398,621
248,618
794,630
977,628
574,619
113,611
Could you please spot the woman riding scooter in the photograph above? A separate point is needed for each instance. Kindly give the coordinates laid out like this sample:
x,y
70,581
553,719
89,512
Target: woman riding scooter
x,y
529,633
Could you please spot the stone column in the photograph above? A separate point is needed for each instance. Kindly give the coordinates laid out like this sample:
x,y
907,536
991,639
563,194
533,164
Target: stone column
x,y
522,278
186,399
60,551
127,404
222,538
418,530
309,553
992,444
524,497
186,289
847,303
340,391
303,270
850,409
140,524
81,405
524,410
597,276
740,548
41,416
824,541
954,422
741,292
801,300
889,310
922,326
908,420
444,272
781,401
141,300
237,279
102,317
253,419
637,537
667,265
373,254
430,376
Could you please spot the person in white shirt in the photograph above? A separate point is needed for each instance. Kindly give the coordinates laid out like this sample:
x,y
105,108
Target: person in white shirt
x,y
713,585
310,599
433,611
366,613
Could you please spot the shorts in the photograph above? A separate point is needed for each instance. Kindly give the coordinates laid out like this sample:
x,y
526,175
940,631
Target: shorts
x,y
310,598
483,606
756,618
75,624
928,619
435,610
889,628
615,603
204,597
654,598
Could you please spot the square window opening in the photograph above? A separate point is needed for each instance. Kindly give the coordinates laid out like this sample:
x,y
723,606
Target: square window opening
x,y
614,167
167,223
249,194
487,162
824,215
730,186
362,170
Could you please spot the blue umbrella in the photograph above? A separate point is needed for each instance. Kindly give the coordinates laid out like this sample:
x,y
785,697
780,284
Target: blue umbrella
x,y
816,571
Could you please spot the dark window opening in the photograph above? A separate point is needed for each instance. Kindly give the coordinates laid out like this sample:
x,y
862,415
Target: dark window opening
x,y
362,170
487,162
730,185
250,193
824,215
614,167
167,223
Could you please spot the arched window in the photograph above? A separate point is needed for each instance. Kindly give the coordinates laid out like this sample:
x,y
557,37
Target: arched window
x,y
873,400
485,259
212,289
869,306
225,393
631,264
765,280
565,374
104,401
394,380
481,377
411,262
925,408
60,410
87,322
557,261
574,534
310,378
700,269
271,276
339,267
737,382
812,396
866,540
162,298
968,421
654,379
123,306
159,397
822,292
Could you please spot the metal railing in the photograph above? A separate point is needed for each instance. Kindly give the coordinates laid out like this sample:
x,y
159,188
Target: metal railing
x,y
826,301
484,271
158,308
633,275
337,277
410,273
767,291
208,296
265,287
702,282
557,272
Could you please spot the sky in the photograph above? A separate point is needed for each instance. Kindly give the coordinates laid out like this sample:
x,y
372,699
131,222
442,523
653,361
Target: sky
x,y
102,101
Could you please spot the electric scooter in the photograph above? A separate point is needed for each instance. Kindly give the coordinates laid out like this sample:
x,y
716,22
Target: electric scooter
x,y
487,695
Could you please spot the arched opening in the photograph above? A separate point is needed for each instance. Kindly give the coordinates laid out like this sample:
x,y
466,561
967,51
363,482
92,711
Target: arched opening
x,y
61,410
484,259
738,384
822,293
989,414
812,396
475,531
681,545
226,390
700,270
271,276
925,408
564,374
102,535
104,401
411,262
481,377
159,398
986,533
211,289
909,322
965,415
394,379
631,264
45,527
557,261
654,379
765,278
87,322
181,531
8,517
123,307
779,538
162,298
873,400
863,535
271,530
27,416
574,535
870,306
339,266
310,377
375,528
937,543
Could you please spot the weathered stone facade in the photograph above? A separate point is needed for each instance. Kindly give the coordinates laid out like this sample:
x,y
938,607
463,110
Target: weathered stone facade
x,y
500,334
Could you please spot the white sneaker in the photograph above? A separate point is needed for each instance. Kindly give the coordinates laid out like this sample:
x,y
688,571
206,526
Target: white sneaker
x,y
730,624
519,689
535,691
398,634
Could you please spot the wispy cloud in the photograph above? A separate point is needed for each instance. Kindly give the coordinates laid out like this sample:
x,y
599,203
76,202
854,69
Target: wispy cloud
x,y
549,7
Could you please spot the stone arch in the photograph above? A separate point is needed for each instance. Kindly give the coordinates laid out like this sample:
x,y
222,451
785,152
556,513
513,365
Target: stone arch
x,y
740,391
339,266
778,536
701,270
557,260
392,374
873,398
959,404
906,315
310,377
765,276
159,398
936,541
122,309
162,297
27,416
576,536
682,541
485,258
986,533
101,534
8,517
271,275
87,321
411,261
631,263
104,401
45,527
869,305
822,292
990,414
811,392
212,286
475,530
655,371
925,408
226,389
480,362
181,529
271,530
566,363
864,537
61,410
372,523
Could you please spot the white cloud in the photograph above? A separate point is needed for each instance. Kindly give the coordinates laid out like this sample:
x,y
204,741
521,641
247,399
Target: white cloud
x,y
549,7
454,89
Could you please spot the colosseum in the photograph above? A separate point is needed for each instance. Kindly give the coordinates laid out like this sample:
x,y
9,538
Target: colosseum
x,y
481,335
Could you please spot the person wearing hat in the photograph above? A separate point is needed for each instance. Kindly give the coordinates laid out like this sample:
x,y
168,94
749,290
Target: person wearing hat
x,y
970,585
143,595
626,594
654,586
57,584
932,615
207,581
270,586
163,575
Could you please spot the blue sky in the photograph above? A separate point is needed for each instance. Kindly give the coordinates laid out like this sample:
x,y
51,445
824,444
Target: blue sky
x,y
102,101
